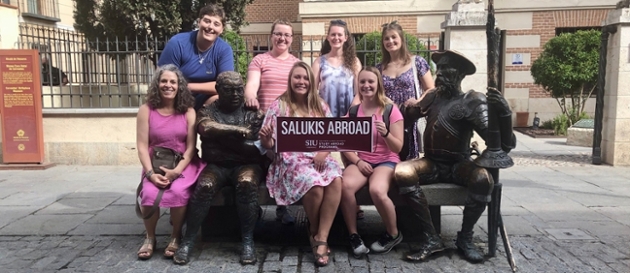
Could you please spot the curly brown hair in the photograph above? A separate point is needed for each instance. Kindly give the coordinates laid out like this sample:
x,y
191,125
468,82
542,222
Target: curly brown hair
x,y
183,99
349,51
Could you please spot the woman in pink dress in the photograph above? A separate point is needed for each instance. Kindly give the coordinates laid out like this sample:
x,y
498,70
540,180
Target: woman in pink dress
x,y
267,79
314,178
167,119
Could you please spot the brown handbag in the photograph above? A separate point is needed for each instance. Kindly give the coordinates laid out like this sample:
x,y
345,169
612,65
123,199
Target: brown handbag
x,y
161,157
164,157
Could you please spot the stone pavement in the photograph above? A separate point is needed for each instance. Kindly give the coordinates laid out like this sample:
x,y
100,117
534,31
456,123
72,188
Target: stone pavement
x,y
562,214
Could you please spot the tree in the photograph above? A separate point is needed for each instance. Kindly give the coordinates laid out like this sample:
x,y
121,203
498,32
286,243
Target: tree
x,y
241,56
369,47
567,68
154,21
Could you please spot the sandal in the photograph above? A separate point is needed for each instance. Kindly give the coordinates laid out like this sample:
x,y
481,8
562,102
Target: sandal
x,y
147,247
172,247
319,258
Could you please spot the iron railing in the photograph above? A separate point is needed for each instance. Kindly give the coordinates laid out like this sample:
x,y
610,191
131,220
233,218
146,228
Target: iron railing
x,y
115,73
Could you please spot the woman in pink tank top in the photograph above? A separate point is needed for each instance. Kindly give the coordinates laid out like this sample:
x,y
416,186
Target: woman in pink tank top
x,y
167,119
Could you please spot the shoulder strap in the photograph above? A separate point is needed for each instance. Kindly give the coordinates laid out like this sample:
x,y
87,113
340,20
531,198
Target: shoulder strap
x,y
415,76
354,109
386,113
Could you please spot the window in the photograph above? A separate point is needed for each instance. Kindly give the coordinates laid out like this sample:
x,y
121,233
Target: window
x,y
260,49
8,2
41,9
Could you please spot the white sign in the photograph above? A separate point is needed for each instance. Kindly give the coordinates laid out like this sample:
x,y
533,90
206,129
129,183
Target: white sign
x,y
517,58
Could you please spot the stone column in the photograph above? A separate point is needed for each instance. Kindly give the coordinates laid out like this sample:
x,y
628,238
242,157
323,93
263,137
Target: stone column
x,y
465,31
616,122
10,30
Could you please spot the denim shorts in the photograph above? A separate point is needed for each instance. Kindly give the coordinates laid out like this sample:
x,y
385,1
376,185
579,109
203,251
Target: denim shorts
x,y
384,163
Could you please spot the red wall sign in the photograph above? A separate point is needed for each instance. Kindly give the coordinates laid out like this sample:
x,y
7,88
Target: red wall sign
x,y
21,107
323,134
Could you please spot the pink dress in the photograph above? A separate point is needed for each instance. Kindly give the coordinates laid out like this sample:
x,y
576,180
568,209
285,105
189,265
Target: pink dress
x,y
292,174
170,132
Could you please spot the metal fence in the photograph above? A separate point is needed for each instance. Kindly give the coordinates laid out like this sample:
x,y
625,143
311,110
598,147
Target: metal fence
x,y
79,73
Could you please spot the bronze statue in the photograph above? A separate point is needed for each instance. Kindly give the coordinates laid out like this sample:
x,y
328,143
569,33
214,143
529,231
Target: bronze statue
x,y
452,116
228,133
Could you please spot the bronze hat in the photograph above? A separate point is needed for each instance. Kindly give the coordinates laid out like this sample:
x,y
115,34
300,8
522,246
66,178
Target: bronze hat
x,y
467,67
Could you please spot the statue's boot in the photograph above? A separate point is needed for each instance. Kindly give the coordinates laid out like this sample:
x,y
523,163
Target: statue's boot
x,y
197,210
248,213
432,242
464,243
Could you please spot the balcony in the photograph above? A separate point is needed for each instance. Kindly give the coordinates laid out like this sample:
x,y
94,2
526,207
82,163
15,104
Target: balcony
x,y
47,10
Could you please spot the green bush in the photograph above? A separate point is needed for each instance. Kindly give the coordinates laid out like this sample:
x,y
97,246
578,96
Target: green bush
x,y
561,123
369,48
547,124
241,56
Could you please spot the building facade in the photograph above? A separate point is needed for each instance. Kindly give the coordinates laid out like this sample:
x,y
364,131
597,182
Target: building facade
x,y
529,25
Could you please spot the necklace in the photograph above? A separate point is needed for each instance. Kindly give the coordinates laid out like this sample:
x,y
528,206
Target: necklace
x,y
201,59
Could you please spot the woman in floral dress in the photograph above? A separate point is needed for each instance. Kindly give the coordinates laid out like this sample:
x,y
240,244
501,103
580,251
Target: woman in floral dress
x,y
398,78
314,178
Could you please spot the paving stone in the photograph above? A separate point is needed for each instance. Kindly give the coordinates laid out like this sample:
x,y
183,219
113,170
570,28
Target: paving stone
x,y
272,266
44,224
108,229
290,261
77,205
272,256
289,269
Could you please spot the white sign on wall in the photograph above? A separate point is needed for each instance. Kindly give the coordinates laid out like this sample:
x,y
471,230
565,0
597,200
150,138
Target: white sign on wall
x,y
517,58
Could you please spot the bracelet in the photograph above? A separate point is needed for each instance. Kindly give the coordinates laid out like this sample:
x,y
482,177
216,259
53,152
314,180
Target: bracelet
x,y
357,163
386,134
148,174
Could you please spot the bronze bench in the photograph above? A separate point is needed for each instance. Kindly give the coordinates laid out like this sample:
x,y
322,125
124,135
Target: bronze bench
x,y
441,194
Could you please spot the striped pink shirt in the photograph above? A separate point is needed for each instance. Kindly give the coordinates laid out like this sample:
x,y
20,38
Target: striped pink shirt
x,y
274,77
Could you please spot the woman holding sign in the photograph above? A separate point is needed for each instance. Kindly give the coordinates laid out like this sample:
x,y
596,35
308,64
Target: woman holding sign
x,y
314,178
374,168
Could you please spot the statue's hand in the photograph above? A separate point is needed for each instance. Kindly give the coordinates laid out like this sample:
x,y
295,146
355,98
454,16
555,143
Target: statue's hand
x,y
265,135
498,101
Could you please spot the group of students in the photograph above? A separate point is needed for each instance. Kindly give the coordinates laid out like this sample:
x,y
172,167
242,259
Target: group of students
x,y
279,84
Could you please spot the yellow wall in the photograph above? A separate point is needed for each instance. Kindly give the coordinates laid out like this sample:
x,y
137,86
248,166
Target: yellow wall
x,y
9,32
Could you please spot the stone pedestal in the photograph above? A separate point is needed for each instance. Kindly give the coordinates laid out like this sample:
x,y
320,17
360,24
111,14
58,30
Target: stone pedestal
x,y
465,31
616,121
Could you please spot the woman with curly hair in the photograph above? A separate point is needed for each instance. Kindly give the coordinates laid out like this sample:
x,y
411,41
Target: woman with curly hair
x,y
167,119
336,70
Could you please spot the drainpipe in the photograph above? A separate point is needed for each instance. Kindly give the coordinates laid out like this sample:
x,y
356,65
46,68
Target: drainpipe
x,y
599,101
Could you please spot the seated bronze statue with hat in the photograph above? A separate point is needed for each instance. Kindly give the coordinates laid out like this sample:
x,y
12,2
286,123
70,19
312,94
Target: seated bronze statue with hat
x,y
452,117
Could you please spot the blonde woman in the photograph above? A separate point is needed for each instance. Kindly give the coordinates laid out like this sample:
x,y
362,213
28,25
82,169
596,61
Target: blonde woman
x,y
314,178
374,168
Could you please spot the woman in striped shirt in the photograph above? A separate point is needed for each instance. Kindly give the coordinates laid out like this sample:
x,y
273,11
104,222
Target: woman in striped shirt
x,y
267,76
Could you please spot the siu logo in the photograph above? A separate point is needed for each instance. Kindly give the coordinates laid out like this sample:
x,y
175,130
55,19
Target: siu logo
x,y
310,143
